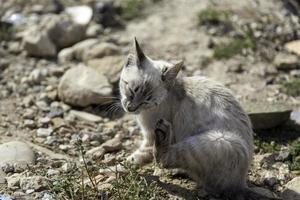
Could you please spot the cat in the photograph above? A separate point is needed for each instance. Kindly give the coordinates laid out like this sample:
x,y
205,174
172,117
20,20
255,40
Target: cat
x,y
191,123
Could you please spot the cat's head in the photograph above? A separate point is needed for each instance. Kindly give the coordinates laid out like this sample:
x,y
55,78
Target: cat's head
x,y
144,83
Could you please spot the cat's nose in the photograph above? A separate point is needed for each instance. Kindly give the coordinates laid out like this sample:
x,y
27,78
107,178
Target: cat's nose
x,y
131,108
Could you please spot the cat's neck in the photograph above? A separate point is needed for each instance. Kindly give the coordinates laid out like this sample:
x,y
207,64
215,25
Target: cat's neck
x,y
175,96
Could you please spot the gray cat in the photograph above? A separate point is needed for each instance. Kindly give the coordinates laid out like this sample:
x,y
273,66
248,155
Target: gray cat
x,y
192,123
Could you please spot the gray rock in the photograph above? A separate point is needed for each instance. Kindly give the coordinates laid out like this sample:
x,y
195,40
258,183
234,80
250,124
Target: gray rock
x,y
93,30
36,183
85,116
292,190
63,31
264,192
16,151
13,181
264,115
2,177
29,123
283,156
286,62
100,50
76,51
109,66
37,43
293,46
44,132
82,86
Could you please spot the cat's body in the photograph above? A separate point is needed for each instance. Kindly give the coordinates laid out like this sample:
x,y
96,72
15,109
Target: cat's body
x,y
191,123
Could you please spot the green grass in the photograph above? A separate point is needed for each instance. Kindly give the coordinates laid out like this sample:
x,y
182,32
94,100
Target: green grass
x,y
132,9
135,186
6,33
295,153
291,88
234,47
213,16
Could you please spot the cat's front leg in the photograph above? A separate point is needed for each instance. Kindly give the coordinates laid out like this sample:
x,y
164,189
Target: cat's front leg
x,y
144,154
163,132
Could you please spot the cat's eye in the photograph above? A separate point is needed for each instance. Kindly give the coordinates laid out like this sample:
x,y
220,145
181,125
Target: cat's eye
x,y
124,81
149,98
136,89
164,70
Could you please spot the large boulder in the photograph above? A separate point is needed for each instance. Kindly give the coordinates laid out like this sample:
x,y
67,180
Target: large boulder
x,y
16,152
109,66
38,43
76,51
63,31
293,46
83,86
265,115
292,190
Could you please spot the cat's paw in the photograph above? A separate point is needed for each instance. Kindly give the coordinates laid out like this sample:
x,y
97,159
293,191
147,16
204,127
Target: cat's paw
x,y
162,132
140,157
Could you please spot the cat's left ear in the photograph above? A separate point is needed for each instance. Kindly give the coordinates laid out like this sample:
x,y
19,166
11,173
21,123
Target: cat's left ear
x,y
170,73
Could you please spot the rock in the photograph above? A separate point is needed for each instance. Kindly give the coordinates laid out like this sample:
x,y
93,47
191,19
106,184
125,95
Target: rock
x,y
29,123
270,178
76,51
63,31
283,156
37,75
13,181
85,116
112,145
293,46
20,167
264,192
2,177
65,55
36,183
286,62
292,190
110,66
44,132
264,115
37,43
295,116
101,50
82,86
93,30
105,13
16,151
80,14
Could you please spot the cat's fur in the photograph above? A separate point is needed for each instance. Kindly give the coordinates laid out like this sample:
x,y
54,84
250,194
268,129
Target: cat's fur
x,y
192,123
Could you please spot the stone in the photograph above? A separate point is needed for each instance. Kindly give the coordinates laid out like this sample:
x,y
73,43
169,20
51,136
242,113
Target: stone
x,y
2,177
20,167
44,132
36,183
101,50
82,86
93,30
80,14
37,43
292,190
37,75
63,31
264,192
28,123
109,66
264,115
283,156
270,178
85,116
293,46
13,181
286,62
76,51
111,145
15,152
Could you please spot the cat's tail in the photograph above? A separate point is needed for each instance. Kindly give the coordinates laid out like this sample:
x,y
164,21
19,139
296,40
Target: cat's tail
x,y
251,194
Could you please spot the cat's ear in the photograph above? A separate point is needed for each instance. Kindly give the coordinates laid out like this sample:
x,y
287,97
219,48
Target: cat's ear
x,y
170,73
140,56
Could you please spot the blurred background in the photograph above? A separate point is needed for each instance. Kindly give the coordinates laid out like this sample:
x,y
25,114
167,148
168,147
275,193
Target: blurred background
x,y
61,125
